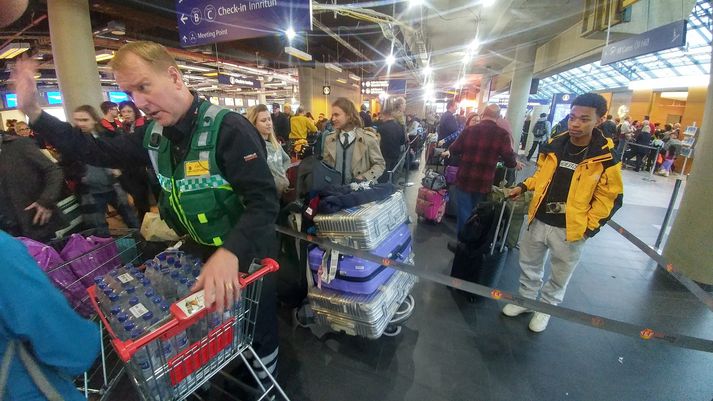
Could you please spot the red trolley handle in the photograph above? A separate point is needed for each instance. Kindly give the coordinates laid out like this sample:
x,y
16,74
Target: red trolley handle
x,y
127,349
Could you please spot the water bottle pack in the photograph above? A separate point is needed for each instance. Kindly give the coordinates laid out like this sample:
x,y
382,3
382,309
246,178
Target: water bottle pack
x,y
136,302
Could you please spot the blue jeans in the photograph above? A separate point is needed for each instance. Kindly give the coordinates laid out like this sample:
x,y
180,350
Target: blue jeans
x,y
620,148
466,201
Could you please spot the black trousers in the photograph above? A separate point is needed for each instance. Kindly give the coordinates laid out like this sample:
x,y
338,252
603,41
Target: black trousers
x,y
535,145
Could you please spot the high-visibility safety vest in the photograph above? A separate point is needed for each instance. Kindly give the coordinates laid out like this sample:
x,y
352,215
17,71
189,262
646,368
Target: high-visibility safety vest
x,y
195,198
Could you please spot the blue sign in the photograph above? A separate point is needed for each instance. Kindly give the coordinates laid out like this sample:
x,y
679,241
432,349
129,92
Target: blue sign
x,y
118,97
54,97
396,87
10,100
209,21
661,38
226,79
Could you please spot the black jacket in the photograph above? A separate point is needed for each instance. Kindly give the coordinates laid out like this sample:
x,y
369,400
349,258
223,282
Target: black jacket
x,y
255,231
27,176
281,122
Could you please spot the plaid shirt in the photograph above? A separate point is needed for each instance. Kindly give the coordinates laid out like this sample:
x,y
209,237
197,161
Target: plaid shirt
x,y
479,148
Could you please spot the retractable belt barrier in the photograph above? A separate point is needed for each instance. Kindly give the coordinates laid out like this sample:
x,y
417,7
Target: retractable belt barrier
x,y
599,322
699,292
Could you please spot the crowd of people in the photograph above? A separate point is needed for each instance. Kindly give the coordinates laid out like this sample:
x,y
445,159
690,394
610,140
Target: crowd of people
x,y
222,182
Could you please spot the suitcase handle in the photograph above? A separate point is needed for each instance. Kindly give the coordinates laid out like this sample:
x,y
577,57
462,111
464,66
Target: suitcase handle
x,y
497,228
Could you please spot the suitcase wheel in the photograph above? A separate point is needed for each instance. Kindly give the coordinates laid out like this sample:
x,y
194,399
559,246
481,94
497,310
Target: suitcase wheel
x,y
392,331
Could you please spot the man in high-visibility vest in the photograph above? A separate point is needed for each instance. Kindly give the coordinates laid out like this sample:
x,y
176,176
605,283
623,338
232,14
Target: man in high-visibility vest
x,y
216,185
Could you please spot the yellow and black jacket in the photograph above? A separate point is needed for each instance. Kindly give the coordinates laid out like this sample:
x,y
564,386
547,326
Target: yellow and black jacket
x,y
596,190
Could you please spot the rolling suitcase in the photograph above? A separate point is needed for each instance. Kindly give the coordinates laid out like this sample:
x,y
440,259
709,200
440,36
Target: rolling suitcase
x,y
365,226
431,205
361,315
481,253
359,276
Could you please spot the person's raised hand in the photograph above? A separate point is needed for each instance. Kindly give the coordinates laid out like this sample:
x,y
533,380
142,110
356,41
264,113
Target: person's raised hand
x,y
446,154
219,280
25,86
519,165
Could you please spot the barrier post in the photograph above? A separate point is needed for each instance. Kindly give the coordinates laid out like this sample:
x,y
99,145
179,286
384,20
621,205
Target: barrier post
x,y
669,211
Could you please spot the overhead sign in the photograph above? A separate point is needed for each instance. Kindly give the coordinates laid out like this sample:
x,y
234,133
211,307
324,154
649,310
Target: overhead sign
x,y
661,38
561,105
202,22
392,87
326,90
226,79
397,87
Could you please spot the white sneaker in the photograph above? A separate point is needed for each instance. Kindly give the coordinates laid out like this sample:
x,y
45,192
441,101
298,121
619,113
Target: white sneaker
x,y
513,310
539,321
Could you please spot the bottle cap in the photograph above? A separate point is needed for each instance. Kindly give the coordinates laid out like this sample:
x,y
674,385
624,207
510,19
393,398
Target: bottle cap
x,y
133,300
98,279
122,317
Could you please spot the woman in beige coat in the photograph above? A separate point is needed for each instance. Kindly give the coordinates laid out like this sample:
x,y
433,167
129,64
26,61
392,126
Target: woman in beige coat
x,y
351,144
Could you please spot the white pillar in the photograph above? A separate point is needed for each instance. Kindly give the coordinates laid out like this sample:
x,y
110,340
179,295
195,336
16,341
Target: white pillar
x,y
688,246
484,93
520,89
73,53
306,87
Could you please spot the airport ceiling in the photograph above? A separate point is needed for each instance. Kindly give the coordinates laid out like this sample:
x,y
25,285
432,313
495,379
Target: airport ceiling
x,y
439,33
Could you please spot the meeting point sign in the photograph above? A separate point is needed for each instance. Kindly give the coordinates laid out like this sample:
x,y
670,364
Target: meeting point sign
x,y
203,22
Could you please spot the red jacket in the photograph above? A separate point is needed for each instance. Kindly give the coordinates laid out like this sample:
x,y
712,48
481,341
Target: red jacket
x,y
480,147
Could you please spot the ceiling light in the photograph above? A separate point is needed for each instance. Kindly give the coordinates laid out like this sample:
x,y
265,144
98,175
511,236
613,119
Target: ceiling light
x,y
415,3
193,68
466,58
427,70
104,55
354,77
333,67
298,53
290,33
487,3
390,60
13,50
211,74
475,44
341,80
670,82
460,83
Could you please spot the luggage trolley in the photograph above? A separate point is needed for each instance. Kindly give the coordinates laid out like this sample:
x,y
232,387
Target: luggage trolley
x,y
159,376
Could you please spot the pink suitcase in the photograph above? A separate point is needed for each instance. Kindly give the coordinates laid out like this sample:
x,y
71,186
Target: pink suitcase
x,y
451,172
431,205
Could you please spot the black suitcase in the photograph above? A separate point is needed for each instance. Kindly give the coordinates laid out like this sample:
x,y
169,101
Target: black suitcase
x,y
481,253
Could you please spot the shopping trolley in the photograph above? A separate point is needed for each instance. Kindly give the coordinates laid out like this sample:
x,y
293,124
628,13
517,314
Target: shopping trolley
x,y
159,375
124,247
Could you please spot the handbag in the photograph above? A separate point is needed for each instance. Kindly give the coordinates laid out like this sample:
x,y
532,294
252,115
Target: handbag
x,y
324,175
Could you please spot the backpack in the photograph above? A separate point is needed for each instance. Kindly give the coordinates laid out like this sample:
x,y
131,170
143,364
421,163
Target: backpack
x,y
540,129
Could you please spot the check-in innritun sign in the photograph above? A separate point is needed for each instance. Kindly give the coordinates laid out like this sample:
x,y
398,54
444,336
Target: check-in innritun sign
x,y
209,21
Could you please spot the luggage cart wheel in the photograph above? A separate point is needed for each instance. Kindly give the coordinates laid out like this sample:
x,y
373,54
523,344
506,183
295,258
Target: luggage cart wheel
x,y
392,330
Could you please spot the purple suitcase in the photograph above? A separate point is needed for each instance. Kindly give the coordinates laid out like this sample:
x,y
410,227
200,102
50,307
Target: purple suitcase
x,y
358,276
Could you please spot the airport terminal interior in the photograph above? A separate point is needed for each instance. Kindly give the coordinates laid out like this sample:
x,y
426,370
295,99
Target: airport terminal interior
x,y
440,99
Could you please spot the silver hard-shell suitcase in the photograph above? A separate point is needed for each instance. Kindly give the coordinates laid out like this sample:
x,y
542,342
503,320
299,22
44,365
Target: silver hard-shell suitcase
x,y
361,315
364,227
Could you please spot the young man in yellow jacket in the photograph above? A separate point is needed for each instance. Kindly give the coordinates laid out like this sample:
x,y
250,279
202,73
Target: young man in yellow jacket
x,y
577,188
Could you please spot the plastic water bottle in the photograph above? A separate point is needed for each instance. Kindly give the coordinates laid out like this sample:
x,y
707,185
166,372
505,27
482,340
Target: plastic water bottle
x,y
147,365
182,289
147,296
156,302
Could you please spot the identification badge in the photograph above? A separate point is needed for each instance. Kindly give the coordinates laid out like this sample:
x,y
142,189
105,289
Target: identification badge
x,y
196,168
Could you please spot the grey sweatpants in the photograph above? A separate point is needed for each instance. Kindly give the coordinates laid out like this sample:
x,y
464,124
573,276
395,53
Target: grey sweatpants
x,y
540,239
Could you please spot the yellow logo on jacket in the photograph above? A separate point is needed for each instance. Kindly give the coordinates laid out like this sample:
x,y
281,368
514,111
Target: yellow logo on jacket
x,y
197,168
